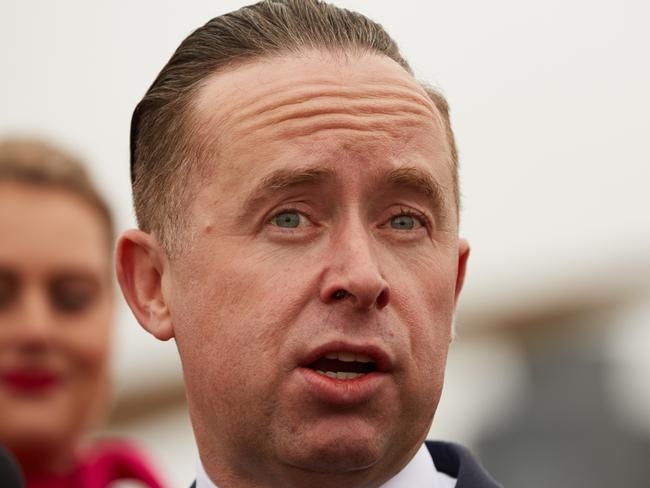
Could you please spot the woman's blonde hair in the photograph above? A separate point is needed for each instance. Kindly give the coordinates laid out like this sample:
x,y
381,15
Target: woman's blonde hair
x,y
36,162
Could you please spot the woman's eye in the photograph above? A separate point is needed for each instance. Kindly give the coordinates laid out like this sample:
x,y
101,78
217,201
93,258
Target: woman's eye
x,y
72,297
287,220
71,301
9,285
403,222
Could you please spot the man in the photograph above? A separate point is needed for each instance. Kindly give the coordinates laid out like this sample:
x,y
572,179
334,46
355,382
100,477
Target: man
x,y
296,191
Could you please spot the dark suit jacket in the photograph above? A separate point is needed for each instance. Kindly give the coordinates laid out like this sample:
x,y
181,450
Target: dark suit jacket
x,y
457,462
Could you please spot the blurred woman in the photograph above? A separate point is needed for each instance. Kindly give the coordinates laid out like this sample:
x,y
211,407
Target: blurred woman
x,y
56,311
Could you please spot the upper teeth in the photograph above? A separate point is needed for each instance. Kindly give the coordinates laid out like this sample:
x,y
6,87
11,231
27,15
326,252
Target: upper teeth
x,y
340,375
348,357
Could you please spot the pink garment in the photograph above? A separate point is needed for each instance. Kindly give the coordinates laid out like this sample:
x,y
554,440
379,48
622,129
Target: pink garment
x,y
99,466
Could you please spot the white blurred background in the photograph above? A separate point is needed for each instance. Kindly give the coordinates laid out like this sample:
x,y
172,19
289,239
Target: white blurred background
x,y
551,107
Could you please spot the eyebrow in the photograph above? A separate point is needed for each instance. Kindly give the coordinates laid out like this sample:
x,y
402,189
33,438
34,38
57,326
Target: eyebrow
x,y
412,179
418,181
283,180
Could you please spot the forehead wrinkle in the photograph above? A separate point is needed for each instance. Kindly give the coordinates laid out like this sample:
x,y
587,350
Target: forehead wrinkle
x,y
315,102
281,98
354,111
386,128
233,107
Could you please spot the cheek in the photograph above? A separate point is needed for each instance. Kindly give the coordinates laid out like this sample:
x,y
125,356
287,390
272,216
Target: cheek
x,y
239,314
424,298
230,327
87,339
85,347
238,293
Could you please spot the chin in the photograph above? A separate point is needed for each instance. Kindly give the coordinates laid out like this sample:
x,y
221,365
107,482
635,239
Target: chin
x,y
337,460
34,427
33,438
334,452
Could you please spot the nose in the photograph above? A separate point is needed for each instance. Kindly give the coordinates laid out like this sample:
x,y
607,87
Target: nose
x,y
352,272
34,321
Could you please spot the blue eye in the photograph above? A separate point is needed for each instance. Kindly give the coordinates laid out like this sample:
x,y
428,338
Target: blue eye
x,y
287,220
403,222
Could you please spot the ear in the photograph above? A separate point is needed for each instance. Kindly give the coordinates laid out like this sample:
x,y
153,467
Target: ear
x,y
142,266
463,255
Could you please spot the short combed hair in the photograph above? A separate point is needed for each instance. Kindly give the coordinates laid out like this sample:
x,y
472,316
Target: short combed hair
x,y
163,155
35,162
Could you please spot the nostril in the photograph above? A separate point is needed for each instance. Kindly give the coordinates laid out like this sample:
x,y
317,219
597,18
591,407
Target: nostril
x,y
340,294
383,298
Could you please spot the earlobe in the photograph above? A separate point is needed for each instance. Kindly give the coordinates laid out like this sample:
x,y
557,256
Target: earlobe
x,y
141,266
463,255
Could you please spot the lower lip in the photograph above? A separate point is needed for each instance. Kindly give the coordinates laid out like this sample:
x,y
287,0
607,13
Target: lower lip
x,y
30,383
343,392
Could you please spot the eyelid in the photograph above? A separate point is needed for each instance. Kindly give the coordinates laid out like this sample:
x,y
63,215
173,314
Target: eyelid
x,y
72,303
10,288
303,216
73,295
423,218
281,211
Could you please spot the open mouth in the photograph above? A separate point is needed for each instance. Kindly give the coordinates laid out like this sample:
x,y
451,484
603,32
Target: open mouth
x,y
344,365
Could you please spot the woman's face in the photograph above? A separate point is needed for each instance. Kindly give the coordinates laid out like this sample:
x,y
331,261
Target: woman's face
x,y
56,304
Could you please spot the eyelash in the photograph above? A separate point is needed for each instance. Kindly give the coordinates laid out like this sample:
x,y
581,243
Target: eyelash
x,y
423,218
281,211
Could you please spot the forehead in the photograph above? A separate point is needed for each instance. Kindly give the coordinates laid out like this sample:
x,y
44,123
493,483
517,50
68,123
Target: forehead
x,y
320,106
49,229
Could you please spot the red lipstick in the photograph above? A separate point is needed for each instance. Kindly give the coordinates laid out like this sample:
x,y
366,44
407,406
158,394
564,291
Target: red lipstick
x,y
29,380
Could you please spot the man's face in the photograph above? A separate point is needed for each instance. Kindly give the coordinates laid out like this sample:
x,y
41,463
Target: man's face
x,y
313,305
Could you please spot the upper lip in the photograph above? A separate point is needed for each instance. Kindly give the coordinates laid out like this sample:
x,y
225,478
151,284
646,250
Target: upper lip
x,y
376,353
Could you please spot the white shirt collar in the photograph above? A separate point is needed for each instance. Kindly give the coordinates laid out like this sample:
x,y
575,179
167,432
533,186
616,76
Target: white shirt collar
x,y
202,480
420,472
